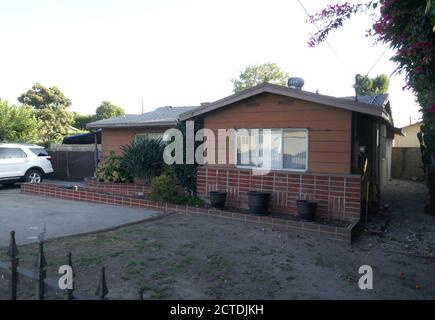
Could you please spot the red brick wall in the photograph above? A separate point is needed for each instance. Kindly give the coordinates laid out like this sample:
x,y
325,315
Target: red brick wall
x,y
127,189
338,195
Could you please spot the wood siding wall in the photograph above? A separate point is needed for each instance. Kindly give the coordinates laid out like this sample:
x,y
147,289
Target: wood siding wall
x,y
112,139
329,128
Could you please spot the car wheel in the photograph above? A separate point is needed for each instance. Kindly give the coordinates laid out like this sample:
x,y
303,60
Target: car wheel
x,y
33,176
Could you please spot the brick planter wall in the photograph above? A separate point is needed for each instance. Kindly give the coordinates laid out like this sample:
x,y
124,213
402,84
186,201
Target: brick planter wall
x,y
338,195
341,234
127,189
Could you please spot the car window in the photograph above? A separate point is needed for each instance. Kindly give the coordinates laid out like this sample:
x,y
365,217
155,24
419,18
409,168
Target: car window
x,y
12,153
39,152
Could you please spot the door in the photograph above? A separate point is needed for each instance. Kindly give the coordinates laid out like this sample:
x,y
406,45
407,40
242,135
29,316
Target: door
x,y
12,162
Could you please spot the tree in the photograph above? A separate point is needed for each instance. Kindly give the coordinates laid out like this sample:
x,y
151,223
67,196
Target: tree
x,y
371,86
80,120
18,124
257,74
108,110
408,27
50,106
41,97
56,123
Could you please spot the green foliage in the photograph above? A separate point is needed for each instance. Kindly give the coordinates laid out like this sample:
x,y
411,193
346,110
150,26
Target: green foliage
x,y
186,173
56,123
108,110
18,124
164,188
371,86
80,121
143,158
257,74
41,97
112,169
189,200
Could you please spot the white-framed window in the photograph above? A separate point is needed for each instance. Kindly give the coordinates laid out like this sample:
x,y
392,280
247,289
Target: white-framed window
x,y
148,135
279,149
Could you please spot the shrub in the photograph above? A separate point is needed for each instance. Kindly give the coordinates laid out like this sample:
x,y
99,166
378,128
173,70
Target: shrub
x,y
112,169
189,200
143,158
164,188
186,173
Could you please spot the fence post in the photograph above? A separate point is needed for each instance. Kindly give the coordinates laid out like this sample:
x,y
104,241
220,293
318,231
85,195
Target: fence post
x,y
41,272
69,293
140,294
102,290
13,253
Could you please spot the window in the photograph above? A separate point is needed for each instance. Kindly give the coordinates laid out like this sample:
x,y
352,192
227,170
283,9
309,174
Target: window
x,y
273,148
12,153
39,152
149,135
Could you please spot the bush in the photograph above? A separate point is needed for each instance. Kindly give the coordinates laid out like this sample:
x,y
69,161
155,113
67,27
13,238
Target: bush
x,y
164,188
112,169
186,173
190,200
143,158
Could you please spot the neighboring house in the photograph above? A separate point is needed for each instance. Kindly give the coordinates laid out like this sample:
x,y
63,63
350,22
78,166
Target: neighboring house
x,y
407,162
124,129
332,150
316,148
409,138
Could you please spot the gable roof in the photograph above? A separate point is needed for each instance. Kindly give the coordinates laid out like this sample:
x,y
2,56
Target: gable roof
x,y
163,116
368,105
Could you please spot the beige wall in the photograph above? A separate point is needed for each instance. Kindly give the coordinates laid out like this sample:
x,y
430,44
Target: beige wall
x,y
410,140
329,128
112,139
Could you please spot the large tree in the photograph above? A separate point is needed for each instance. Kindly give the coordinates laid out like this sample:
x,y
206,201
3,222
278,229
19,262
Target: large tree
x,y
18,124
259,73
108,110
364,85
50,107
41,97
408,27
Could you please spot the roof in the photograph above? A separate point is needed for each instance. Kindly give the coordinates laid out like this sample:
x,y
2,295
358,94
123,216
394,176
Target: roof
x,y
83,138
164,116
364,105
412,124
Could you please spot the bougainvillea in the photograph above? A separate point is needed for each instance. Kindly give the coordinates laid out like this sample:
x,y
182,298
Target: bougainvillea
x,y
408,27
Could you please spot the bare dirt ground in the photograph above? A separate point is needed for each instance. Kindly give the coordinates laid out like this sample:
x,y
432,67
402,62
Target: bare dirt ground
x,y
193,257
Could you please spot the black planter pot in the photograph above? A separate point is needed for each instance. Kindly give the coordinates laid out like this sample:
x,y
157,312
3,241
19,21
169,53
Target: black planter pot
x,y
217,199
306,210
258,202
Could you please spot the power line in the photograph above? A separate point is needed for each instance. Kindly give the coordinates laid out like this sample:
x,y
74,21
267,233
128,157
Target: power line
x,y
327,42
377,60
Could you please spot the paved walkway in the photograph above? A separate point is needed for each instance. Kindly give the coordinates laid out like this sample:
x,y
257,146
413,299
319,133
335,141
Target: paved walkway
x,y
30,215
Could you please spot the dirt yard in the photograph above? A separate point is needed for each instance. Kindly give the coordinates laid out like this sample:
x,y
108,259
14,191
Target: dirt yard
x,y
193,257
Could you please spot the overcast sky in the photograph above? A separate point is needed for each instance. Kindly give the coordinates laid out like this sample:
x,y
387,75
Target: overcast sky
x,y
177,52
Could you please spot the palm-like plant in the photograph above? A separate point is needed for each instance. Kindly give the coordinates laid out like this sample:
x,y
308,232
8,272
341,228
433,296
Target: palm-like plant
x,y
143,158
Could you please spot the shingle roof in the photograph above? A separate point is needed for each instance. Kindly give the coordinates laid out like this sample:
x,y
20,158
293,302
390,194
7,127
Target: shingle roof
x,y
164,116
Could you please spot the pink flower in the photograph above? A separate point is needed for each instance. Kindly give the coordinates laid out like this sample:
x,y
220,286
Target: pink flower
x,y
432,108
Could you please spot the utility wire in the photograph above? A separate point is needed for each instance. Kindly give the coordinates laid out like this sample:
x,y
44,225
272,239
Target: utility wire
x,y
327,42
376,62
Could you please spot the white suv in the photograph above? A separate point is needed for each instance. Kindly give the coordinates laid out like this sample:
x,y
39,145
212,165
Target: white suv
x,y
23,162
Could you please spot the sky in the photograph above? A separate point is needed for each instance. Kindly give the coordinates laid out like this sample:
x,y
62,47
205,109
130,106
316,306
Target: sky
x,y
179,53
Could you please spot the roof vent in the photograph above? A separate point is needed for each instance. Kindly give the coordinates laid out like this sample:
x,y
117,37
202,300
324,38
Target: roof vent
x,y
295,83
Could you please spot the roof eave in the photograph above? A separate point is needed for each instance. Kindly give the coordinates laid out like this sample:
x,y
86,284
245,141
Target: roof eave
x,y
152,124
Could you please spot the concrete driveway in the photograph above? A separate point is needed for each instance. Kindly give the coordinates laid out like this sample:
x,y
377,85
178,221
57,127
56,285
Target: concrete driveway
x,y
30,215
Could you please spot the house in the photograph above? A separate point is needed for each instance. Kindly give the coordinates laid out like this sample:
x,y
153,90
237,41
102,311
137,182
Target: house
x,y
124,129
409,138
407,163
336,151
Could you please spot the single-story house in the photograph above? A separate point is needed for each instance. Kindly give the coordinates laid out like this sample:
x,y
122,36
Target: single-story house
x,y
336,151
409,137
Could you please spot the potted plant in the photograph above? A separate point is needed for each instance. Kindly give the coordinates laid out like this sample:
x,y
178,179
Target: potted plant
x,y
306,210
258,202
217,199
